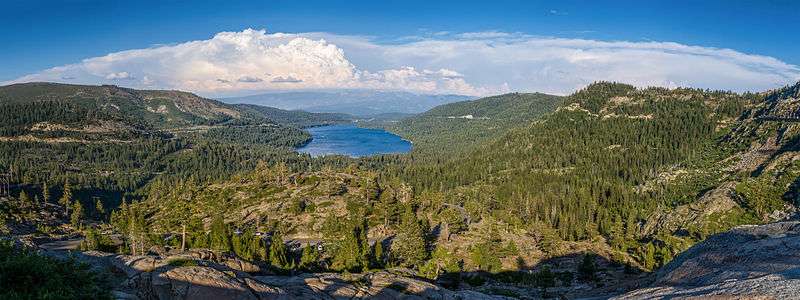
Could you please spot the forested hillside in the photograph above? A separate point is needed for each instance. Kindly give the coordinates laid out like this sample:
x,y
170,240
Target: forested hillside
x,y
106,141
297,118
625,165
518,190
460,125
605,170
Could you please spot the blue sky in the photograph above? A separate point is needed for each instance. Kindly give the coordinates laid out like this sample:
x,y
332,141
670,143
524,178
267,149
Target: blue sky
x,y
37,35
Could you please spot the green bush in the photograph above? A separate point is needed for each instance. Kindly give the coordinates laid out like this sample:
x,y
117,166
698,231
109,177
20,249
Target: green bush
x,y
182,262
93,240
27,275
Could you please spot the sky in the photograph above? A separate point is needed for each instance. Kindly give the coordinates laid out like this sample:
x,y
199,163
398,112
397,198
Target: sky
x,y
230,48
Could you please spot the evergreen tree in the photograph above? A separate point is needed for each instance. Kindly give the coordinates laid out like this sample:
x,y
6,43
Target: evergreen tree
x,y
649,256
25,200
277,252
137,231
410,247
237,245
220,235
45,192
378,257
77,214
484,257
99,209
66,198
347,242
93,240
309,258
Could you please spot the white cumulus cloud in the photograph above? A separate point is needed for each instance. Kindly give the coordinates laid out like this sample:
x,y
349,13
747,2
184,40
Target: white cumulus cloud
x,y
118,75
477,63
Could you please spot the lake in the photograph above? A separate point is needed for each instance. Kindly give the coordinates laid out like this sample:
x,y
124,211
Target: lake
x,y
353,141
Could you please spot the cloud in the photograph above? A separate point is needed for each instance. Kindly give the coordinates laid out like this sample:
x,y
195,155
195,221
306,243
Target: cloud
x,y
147,81
287,79
476,63
119,75
490,61
249,79
484,35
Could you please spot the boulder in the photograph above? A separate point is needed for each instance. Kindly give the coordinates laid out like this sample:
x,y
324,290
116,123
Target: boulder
x,y
151,277
241,265
746,262
264,291
375,285
198,283
132,265
203,254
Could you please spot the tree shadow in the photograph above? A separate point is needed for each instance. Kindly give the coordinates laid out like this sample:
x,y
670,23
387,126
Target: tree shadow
x,y
558,277
565,279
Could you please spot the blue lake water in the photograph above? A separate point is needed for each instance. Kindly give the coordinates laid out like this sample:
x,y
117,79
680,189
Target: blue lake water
x,y
353,141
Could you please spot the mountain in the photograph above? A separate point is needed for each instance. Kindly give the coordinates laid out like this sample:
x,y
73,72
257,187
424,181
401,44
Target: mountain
x,y
457,126
353,102
613,156
296,118
519,195
132,109
593,188
118,139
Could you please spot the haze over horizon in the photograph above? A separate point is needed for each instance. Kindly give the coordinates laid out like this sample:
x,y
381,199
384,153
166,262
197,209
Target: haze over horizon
x,y
555,50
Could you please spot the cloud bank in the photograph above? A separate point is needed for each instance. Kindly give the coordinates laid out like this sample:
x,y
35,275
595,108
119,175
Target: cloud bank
x,y
478,63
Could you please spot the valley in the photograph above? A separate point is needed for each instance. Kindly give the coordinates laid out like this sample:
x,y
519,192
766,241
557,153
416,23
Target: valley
x,y
530,196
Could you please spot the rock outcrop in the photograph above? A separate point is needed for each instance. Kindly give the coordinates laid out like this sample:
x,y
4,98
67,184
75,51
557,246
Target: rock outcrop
x,y
717,200
199,274
748,262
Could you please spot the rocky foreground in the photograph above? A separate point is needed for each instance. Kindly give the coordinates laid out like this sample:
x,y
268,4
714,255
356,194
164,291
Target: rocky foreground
x,y
748,262
199,274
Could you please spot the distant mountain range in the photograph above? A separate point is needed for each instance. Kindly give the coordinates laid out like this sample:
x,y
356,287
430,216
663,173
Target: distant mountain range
x,y
354,102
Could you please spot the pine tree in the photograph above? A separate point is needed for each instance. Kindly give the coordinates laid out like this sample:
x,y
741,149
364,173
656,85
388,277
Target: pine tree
x,y
277,251
363,241
378,255
98,207
77,214
45,192
309,258
220,235
649,256
25,200
66,198
347,241
409,247
137,231
237,245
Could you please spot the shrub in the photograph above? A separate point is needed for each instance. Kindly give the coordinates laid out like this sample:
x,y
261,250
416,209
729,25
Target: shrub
x,y
182,262
27,275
